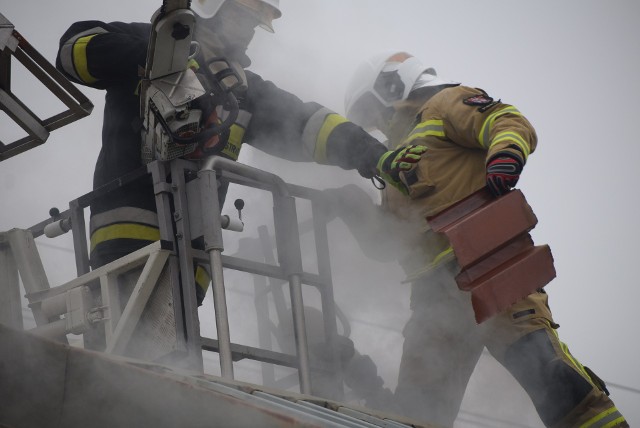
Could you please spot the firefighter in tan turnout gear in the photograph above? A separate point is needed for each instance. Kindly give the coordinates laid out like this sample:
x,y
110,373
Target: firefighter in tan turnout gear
x,y
471,140
110,56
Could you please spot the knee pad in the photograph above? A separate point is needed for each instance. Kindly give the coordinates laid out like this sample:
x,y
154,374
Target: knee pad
x,y
553,385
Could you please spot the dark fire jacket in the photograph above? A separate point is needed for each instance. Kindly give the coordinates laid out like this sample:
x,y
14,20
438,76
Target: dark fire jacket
x,y
109,56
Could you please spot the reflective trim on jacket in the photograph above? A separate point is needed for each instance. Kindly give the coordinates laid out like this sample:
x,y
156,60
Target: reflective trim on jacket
x,y
460,138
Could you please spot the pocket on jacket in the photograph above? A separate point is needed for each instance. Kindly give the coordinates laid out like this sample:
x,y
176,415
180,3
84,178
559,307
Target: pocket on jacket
x,y
418,181
534,306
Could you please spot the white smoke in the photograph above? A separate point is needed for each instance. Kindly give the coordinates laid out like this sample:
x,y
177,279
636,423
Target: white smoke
x,y
316,46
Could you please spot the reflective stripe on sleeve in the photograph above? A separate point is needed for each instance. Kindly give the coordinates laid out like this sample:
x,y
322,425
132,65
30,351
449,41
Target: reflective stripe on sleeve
x,y
514,138
485,130
80,59
317,131
73,55
607,419
433,127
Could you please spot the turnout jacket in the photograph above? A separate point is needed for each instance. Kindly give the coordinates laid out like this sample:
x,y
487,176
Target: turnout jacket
x,y
462,128
110,56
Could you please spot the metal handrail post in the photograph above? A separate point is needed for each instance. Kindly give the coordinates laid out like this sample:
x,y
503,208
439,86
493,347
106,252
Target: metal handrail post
x,y
10,303
299,329
185,257
326,293
213,245
290,257
78,229
289,253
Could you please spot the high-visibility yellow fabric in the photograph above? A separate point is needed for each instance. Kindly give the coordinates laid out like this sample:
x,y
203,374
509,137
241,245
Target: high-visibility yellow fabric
x,y
608,419
330,123
511,138
80,59
434,128
124,231
442,340
460,139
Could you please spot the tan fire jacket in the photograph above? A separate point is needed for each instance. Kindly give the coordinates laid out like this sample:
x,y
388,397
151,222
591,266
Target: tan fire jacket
x,y
462,128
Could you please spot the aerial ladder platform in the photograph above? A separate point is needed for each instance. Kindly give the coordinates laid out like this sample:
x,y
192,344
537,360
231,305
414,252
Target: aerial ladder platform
x,y
121,345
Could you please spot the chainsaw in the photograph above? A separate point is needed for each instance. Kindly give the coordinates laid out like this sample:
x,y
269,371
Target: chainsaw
x,y
187,93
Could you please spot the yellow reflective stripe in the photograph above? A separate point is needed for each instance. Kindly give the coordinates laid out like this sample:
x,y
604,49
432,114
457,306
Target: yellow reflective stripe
x,y
615,422
565,351
440,257
202,278
433,127
124,231
513,137
576,363
607,419
485,130
80,59
236,135
123,215
440,260
603,420
329,124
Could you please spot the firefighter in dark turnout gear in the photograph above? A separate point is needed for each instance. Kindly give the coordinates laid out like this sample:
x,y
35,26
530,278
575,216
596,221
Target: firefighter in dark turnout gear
x,y
471,140
110,56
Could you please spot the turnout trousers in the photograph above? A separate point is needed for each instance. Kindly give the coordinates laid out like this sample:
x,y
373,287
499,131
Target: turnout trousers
x,y
442,344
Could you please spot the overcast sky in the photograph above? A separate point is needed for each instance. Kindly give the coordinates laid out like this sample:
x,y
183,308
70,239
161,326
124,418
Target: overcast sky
x,y
571,67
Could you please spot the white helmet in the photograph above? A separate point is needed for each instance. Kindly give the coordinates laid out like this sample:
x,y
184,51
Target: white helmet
x,y
265,10
385,79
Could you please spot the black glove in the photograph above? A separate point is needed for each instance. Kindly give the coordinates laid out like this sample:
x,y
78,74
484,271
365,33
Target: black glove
x,y
503,172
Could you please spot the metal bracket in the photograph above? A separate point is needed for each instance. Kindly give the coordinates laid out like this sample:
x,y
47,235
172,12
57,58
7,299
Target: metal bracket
x,y
78,106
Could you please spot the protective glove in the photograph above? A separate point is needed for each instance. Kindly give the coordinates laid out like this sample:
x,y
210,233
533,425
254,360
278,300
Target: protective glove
x,y
503,172
393,162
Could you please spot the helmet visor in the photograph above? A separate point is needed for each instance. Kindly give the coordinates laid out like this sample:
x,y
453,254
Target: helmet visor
x,y
262,11
389,86
368,112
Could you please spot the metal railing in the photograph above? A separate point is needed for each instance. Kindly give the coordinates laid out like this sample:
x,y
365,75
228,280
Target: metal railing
x,y
186,194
